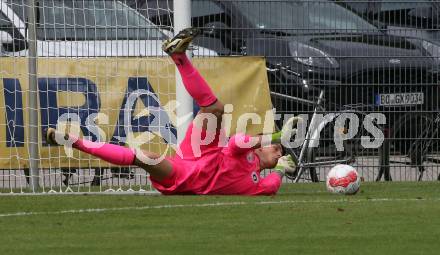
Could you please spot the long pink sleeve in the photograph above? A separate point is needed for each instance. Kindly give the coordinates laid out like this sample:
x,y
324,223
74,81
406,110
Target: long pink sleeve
x,y
239,143
269,185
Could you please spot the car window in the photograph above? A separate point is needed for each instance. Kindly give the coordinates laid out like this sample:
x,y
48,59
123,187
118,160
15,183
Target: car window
x,y
19,7
160,11
204,8
301,15
205,12
6,25
89,20
406,13
403,4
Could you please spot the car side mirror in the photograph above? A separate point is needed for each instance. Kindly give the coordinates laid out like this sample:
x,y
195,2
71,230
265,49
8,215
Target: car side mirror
x,y
214,29
381,26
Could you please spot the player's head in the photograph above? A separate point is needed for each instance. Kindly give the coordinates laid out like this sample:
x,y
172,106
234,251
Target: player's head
x,y
269,155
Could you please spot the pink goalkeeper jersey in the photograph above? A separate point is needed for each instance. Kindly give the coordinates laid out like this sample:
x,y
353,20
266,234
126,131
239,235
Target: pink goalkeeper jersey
x,y
229,170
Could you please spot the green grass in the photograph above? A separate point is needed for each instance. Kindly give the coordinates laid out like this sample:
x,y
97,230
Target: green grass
x,y
384,218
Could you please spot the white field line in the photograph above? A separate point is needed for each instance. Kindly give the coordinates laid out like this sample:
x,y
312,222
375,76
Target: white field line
x,y
239,203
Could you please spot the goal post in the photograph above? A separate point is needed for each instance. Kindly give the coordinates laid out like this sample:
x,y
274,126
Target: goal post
x,y
33,99
182,19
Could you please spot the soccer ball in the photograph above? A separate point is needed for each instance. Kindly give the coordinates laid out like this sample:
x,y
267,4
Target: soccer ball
x,y
343,179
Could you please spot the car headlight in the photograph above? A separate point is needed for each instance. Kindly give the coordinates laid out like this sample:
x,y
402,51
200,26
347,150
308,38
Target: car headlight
x,y
310,56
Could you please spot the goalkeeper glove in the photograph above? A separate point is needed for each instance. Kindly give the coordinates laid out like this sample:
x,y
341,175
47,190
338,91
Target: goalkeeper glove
x,y
285,164
288,129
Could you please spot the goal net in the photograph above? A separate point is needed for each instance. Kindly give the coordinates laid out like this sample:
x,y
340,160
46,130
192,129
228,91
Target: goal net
x,y
95,68
99,69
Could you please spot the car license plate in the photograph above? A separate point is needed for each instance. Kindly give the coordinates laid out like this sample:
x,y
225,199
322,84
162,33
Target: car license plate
x,y
400,99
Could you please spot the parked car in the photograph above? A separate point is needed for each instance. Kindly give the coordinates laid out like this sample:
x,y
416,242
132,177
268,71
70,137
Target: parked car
x,y
419,22
408,18
81,29
400,16
311,46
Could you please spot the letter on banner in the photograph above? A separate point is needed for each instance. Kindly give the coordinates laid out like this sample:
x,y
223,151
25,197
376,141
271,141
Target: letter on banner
x,y
14,113
157,120
50,112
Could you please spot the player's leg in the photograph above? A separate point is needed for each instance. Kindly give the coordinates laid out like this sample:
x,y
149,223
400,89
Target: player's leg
x,y
115,154
194,83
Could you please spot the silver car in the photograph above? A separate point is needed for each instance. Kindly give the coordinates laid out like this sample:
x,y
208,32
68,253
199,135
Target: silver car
x,y
93,28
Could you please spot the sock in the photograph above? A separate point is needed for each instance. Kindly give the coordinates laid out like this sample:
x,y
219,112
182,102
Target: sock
x,y
194,83
111,153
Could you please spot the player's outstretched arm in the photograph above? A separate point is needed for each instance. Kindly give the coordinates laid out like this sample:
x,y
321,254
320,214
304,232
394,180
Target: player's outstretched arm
x,y
288,130
240,143
269,185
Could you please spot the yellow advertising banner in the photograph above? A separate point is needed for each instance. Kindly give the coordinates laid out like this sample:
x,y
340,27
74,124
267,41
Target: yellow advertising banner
x,y
92,97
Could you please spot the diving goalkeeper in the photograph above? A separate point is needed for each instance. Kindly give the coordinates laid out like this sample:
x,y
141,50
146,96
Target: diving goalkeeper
x,y
222,170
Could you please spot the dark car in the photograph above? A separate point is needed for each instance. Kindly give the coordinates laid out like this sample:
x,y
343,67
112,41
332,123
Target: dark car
x,y
409,19
419,22
318,45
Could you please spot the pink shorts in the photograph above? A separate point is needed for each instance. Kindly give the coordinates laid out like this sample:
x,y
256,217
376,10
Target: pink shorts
x,y
195,164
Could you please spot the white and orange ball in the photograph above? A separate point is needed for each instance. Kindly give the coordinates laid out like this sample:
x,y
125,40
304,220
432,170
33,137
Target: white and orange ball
x,y
343,179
